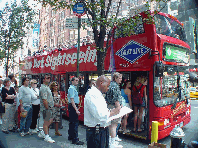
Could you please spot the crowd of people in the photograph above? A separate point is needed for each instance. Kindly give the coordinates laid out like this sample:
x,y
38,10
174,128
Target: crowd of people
x,y
103,99
23,105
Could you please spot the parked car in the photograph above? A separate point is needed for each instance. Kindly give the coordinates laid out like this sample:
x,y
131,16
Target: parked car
x,y
194,92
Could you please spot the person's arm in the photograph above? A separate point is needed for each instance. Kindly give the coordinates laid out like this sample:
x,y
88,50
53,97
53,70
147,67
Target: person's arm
x,y
115,98
114,111
97,106
20,98
129,97
5,94
44,99
71,93
74,105
145,96
45,103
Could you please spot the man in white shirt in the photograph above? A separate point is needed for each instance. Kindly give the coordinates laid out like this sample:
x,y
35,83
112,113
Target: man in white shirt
x,y
96,114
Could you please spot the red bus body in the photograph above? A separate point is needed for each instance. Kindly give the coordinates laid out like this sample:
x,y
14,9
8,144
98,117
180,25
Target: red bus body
x,y
61,62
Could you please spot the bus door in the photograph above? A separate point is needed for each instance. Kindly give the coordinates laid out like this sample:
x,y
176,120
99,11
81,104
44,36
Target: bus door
x,y
62,91
132,76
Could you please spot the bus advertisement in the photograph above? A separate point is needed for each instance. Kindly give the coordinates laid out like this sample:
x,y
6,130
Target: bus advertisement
x,y
158,51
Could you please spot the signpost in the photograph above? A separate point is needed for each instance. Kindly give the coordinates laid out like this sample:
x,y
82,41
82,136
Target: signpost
x,y
79,10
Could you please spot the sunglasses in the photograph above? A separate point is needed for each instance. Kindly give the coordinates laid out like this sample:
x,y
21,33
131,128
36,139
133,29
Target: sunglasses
x,y
48,78
27,80
35,83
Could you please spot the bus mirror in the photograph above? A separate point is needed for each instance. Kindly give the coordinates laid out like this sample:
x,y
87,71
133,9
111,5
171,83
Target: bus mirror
x,y
159,69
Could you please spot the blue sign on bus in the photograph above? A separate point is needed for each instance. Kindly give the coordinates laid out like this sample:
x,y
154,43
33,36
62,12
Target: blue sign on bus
x,y
132,51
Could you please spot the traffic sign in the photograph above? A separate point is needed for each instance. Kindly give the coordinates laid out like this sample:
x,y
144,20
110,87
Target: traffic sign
x,y
132,51
71,25
75,20
79,9
72,20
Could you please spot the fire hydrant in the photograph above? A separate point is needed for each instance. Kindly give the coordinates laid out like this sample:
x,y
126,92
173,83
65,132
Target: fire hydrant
x,y
176,137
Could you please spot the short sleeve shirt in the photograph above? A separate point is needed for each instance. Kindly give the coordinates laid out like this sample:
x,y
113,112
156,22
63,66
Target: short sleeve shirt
x,y
45,93
113,94
73,93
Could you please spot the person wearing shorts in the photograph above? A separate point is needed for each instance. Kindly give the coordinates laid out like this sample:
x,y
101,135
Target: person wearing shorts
x,y
114,100
126,93
140,84
46,106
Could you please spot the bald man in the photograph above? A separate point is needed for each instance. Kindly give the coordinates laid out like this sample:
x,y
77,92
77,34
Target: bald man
x,y
96,114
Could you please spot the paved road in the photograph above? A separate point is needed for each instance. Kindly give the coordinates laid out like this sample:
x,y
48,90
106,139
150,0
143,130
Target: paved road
x,y
13,140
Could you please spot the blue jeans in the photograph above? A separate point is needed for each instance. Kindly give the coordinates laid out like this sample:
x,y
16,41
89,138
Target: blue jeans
x,y
118,128
25,123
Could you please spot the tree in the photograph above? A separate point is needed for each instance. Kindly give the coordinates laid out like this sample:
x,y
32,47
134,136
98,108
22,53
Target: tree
x,y
15,20
102,22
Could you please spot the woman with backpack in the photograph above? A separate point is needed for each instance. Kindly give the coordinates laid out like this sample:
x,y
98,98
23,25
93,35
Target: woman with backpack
x,y
139,100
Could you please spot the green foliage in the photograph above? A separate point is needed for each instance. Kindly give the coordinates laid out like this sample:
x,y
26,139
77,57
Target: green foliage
x,y
102,21
19,19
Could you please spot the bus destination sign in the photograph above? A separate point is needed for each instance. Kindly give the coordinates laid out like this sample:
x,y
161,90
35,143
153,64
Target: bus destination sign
x,y
176,54
132,51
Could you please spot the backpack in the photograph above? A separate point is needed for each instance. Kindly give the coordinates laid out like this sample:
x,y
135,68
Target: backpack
x,y
137,96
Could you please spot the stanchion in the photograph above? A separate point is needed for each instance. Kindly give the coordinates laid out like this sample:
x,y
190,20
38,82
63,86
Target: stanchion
x,y
154,132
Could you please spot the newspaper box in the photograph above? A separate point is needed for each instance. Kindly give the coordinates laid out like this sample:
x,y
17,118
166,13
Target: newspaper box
x,y
156,145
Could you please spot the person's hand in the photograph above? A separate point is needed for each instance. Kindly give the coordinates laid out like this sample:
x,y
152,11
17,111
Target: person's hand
x,y
116,110
22,109
15,102
77,112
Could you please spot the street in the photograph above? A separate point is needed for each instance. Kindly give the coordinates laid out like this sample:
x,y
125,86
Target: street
x,y
14,140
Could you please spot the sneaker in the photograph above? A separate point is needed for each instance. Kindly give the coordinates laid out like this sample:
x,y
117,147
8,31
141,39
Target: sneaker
x,y
126,131
49,139
114,144
41,134
22,134
117,138
33,131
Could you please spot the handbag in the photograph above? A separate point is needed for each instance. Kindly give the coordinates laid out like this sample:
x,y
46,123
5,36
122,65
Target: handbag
x,y
2,107
23,114
137,96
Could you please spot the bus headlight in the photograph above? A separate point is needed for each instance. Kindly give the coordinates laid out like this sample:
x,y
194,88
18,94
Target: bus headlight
x,y
166,121
187,112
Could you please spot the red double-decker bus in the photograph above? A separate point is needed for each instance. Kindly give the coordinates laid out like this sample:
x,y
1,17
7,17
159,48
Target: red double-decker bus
x,y
158,51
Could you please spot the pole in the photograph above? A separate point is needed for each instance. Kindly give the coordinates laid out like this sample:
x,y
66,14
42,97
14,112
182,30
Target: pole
x,y
78,49
154,132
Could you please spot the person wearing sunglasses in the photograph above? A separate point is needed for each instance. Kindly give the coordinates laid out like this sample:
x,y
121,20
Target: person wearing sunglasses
x,y
47,108
26,97
35,106
57,104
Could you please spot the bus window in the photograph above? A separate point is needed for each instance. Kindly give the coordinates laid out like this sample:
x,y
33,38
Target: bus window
x,y
55,78
171,87
169,27
63,82
134,27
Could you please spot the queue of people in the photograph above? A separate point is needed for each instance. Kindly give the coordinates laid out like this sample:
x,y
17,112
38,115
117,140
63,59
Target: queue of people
x,y
103,99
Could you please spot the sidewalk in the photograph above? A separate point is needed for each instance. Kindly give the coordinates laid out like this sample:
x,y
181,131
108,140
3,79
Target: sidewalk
x,y
14,140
